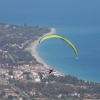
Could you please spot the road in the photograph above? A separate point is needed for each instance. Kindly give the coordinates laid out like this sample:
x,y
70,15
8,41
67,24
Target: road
x,y
11,58
5,82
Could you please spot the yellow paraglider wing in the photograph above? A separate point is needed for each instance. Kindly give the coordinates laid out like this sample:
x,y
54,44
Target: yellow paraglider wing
x,y
64,39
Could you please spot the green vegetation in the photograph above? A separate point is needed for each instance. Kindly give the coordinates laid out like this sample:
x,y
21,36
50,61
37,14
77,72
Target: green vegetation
x,y
61,88
14,39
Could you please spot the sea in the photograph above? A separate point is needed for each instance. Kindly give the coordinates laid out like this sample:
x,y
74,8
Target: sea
x,y
76,20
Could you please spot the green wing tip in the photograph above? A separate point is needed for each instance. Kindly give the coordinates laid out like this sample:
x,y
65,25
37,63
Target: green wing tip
x,y
39,40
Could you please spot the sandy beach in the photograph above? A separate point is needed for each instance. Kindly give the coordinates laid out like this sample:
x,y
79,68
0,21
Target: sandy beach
x,y
32,47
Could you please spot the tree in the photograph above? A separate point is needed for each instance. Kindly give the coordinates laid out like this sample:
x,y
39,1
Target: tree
x,y
3,93
10,72
10,97
40,74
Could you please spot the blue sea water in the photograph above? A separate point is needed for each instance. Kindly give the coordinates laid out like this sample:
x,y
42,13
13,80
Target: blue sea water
x,y
60,56
77,20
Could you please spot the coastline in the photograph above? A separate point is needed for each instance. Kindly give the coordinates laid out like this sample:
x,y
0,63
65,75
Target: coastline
x,y
33,46
32,49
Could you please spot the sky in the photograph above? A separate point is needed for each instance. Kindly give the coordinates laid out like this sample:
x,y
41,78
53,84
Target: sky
x,y
75,10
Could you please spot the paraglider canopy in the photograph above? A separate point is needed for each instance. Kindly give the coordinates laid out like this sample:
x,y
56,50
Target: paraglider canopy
x,y
62,38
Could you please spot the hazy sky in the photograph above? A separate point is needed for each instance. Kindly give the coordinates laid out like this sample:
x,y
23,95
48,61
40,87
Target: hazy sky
x,y
75,10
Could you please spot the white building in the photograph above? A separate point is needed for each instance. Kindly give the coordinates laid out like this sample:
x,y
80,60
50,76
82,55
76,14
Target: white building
x,y
37,79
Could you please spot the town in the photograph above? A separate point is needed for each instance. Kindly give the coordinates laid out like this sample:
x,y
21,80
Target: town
x,y
26,72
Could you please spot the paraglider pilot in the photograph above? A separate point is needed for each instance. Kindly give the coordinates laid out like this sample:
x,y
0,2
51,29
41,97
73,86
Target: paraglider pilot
x,y
50,71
